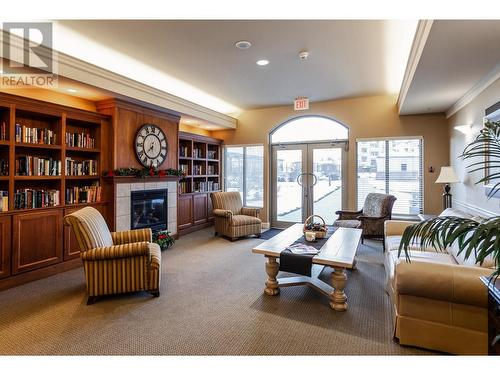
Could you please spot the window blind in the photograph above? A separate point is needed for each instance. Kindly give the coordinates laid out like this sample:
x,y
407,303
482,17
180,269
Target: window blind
x,y
391,166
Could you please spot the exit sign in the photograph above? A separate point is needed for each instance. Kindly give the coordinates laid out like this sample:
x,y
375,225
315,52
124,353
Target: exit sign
x,y
300,104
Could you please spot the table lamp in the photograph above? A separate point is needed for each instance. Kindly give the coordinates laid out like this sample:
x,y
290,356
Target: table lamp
x,y
447,176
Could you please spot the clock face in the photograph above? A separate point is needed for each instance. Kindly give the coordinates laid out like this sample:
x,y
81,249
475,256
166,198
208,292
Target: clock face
x,y
151,146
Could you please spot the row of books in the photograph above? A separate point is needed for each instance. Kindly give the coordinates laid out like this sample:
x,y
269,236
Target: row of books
x,y
82,140
81,168
83,194
211,169
35,198
3,131
200,186
4,200
197,169
4,167
184,187
37,166
184,168
183,151
197,153
25,134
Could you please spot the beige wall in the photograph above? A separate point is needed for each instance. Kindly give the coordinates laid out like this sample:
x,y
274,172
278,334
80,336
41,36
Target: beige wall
x,y
467,195
373,116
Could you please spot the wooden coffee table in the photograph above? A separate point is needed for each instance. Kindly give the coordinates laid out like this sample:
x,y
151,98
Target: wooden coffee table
x,y
338,253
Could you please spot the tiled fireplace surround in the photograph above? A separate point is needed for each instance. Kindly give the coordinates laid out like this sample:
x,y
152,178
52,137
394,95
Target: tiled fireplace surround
x,y
122,203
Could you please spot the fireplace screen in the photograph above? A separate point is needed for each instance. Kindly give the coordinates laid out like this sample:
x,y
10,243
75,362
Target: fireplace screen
x,y
149,209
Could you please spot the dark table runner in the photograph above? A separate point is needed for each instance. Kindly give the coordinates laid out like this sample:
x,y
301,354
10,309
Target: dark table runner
x,y
302,263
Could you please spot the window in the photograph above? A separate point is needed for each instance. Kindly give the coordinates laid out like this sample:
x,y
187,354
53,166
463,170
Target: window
x,y
309,128
244,172
396,169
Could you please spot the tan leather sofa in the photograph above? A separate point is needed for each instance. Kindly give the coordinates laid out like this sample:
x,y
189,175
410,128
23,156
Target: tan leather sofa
x,y
438,301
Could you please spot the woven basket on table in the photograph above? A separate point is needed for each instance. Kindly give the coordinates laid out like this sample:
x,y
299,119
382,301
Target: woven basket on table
x,y
321,233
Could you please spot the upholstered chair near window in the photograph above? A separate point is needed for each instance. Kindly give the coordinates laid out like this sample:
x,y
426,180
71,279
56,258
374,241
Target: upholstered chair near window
x,y
376,210
232,219
115,262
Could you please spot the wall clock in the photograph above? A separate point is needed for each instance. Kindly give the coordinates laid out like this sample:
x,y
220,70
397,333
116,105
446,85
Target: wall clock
x,y
150,145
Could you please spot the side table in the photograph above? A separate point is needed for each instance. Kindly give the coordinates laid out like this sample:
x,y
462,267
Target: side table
x,y
493,315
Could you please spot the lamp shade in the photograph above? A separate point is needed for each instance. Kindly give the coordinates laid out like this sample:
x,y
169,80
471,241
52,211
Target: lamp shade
x,y
447,176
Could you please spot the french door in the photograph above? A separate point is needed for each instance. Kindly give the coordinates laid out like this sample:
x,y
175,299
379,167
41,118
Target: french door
x,y
307,179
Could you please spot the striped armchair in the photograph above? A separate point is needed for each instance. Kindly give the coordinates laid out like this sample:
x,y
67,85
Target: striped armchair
x,y
115,262
232,219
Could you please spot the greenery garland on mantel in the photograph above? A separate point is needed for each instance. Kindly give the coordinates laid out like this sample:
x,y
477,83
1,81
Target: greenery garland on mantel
x,y
144,172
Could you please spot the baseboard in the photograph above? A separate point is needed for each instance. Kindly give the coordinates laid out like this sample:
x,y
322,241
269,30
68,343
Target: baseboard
x,y
266,225
475,210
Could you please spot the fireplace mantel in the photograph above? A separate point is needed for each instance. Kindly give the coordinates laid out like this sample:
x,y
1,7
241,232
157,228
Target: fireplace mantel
x,y
132,179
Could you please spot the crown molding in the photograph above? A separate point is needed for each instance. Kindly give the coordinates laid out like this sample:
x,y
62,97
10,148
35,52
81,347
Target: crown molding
x,y
477,89
87,73
419,41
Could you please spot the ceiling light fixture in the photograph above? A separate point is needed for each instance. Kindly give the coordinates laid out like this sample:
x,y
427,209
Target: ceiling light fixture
x,y
71,90
262,62
188,121
303,55
243,44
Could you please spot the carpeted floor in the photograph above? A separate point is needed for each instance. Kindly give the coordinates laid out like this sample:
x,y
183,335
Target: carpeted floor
x,y
212,303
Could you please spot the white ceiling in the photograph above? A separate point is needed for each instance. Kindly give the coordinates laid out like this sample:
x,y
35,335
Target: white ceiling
x,y
347,58
457,55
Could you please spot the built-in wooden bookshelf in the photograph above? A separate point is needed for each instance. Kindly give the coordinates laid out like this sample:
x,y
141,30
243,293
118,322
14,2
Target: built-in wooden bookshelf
x,y
200,159
34,154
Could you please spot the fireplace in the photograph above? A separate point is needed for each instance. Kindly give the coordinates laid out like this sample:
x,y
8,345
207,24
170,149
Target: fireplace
x,y
148,209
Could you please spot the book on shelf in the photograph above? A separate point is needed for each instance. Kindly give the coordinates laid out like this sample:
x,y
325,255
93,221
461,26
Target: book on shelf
x,y
183,151
4,167
211,169
3,131
37,166
83,194
81,168
4,200
183,187
82,140
211,154
35,198
197,153
25,134
197,170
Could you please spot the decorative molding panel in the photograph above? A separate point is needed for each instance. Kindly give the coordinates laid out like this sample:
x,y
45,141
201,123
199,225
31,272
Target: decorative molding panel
x,y
475,210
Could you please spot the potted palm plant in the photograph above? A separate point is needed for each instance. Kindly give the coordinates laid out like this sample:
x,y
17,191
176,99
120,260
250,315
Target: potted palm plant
x,y
478,239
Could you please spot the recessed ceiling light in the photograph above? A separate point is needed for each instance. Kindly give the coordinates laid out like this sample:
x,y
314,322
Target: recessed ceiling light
x,y
262,62
71,90
243,44
189,121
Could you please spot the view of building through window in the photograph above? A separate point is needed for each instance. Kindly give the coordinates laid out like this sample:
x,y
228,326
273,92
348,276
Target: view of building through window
x,y
392,166
244,172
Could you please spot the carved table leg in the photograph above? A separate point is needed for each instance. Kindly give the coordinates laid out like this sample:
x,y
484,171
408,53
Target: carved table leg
x,y
272,269
338,298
